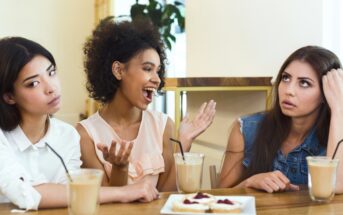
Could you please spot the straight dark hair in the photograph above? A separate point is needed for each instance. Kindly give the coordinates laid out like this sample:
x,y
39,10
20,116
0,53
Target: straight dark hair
x,y
275,127
15,53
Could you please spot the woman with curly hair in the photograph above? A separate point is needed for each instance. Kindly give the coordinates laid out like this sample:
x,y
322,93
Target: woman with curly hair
x,y
31,175
267,151
125,66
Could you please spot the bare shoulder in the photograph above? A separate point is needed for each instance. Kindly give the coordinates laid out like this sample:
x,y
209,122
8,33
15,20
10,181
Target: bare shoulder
x,y
236,139
82,132
168,130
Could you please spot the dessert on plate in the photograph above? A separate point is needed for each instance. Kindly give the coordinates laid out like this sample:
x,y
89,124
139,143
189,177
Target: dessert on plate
x,y
187,205
206,203
202,198
225,206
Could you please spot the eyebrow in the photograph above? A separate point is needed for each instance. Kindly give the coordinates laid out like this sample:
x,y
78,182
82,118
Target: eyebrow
x,y
300,78
36,75
148,62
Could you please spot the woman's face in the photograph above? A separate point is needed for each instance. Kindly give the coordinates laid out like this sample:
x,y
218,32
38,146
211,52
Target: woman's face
x,y
299,90
37,88
139,78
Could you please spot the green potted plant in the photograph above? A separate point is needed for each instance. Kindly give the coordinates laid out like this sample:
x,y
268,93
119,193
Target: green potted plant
x,y
162,15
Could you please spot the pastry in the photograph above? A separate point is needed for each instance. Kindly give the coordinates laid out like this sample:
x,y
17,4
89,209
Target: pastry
x,y
225,206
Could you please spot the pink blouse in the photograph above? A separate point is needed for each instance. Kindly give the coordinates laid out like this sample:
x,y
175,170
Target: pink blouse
x,y
146,160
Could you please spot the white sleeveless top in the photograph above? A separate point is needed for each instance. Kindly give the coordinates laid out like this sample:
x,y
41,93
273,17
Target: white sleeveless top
x,y
146,160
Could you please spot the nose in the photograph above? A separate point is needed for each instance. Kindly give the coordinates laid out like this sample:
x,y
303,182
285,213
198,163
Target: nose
x,y
290,89
155,78
50,87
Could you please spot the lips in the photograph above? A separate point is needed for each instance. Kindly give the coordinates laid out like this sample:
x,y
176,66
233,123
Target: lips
x,y
287,104
55,101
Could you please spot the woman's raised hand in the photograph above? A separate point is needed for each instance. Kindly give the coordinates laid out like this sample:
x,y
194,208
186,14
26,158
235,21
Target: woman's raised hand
x,y
271,182
333,89
190,129
119,159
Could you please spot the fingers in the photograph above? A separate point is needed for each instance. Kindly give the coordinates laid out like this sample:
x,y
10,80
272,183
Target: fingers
x,y
281,180
149,192
202,108
113,148
293,187
104,149
207,110
126,154
276,181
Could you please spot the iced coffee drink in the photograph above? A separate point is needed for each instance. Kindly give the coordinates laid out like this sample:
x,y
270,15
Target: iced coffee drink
x,y
189,172
83,191
321,178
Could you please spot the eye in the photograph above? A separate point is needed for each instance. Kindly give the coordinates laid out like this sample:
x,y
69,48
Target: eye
x,y
147,68
304,83
32,84
52,72
285,77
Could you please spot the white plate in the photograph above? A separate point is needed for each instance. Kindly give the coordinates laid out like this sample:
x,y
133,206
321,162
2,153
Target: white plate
x,y
247,201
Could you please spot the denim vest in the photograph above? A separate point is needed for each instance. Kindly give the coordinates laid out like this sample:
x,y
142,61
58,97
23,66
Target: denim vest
x,y
293,165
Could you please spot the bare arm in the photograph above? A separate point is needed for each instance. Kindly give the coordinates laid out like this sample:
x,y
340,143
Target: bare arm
x,y
232,172
333,91
232,169
167,179
55,195
52,195
90,159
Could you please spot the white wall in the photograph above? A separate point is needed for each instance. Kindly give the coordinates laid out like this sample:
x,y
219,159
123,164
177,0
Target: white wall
x,y
242,38
62,27
248,38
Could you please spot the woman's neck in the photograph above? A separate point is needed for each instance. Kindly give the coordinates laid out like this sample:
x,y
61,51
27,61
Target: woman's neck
x,y
301,126
35,127
121,113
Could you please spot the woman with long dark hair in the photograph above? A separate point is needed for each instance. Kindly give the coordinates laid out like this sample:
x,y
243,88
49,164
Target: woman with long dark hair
x,y
268,150
31,176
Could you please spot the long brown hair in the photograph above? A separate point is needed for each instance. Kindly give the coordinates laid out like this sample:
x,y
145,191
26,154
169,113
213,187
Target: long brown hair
x,y
275,126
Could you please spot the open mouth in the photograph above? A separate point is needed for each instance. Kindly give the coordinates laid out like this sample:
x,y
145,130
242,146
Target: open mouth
x,y
149,92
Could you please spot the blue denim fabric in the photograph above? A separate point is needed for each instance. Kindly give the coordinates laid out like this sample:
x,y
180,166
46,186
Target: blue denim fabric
x,y
293,165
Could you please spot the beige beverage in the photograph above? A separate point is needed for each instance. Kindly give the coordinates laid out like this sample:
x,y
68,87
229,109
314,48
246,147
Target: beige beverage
x,y
83,192
189,172
322,178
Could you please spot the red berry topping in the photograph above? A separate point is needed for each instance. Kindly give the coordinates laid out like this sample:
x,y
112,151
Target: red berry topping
x,y
201,196
225,201
188,202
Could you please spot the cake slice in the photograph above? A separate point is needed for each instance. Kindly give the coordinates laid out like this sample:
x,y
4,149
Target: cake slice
x,y
226,206
189,206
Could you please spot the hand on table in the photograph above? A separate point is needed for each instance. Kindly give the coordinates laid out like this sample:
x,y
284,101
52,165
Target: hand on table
x,y
190,129
141,191
271,182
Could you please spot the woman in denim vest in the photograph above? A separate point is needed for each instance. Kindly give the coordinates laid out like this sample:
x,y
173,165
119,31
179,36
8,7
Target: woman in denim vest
x,y
268,150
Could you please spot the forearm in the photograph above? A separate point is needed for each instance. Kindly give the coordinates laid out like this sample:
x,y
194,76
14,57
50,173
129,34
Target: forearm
x,y
335,135
167,180
119,175
52,195
110,194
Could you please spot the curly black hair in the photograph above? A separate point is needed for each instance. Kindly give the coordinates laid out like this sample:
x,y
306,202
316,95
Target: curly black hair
x,y
117,41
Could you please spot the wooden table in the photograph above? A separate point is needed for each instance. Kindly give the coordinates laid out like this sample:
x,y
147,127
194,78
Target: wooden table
x,y
210,84
278,203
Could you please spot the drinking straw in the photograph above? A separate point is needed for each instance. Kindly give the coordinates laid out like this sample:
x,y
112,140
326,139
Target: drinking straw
x,y
181,149
64,165
339,142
